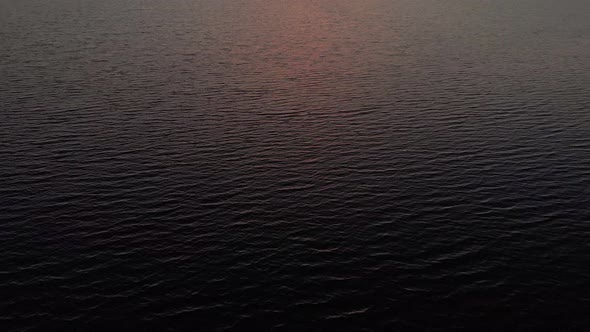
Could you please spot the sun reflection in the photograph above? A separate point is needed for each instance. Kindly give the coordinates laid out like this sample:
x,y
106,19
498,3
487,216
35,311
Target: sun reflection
x,y
302,44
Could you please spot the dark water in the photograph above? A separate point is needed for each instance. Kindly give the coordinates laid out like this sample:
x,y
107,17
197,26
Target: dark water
x,y
295,165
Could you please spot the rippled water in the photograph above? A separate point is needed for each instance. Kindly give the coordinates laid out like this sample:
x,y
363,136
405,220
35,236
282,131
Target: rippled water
x,y
296,165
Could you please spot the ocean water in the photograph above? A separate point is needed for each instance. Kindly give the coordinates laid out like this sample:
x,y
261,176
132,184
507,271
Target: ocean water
x,y
295,165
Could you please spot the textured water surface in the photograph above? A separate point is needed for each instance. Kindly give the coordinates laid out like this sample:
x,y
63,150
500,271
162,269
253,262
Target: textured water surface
x,y
295,165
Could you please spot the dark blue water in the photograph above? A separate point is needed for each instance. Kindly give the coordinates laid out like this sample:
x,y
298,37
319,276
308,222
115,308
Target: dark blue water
x,y
295,165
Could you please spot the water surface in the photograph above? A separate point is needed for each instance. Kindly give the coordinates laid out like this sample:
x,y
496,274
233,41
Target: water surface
x,y
295,165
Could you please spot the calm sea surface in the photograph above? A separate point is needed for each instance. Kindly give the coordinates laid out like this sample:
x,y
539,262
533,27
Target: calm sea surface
x,y
295,164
